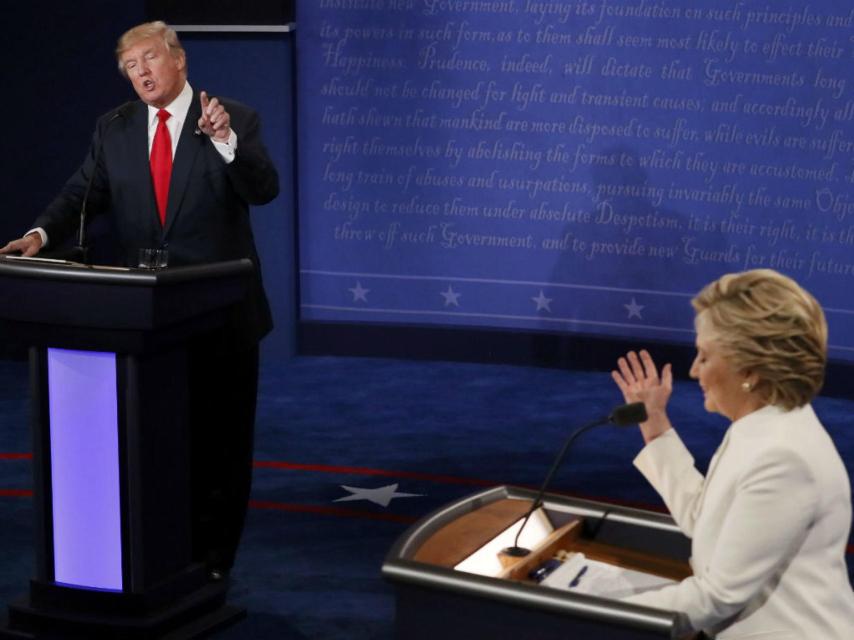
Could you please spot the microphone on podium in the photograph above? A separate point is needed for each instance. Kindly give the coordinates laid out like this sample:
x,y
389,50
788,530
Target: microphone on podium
x,y
623,416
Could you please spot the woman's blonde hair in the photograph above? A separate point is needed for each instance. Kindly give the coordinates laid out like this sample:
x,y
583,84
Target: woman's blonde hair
x,y
156,29
767,325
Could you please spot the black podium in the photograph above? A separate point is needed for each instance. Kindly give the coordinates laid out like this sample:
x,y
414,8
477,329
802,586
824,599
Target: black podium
x,y
108,360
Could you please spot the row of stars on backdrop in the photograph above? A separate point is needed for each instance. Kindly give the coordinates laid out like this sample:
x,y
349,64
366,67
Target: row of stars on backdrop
x,y
452,299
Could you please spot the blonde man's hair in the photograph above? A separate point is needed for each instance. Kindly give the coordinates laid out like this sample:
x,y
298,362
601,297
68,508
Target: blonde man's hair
x,y
767,325
156,29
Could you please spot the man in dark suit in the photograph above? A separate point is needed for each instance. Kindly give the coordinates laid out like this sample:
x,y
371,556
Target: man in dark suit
x,y
177,170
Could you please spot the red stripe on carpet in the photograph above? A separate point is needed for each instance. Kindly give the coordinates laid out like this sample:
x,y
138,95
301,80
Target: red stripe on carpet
x,y
412,475
330,511
365,471
16,493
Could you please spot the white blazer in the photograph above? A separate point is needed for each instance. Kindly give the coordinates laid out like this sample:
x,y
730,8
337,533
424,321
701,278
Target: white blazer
x,y
769,526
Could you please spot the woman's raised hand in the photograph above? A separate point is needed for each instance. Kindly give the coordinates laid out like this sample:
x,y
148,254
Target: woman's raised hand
x,y
639,381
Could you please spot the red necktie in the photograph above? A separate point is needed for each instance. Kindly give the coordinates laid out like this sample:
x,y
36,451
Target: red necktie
x,y
161,163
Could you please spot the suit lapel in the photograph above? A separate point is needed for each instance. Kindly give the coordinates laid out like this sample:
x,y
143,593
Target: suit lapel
x,y
713,465
138,148
189,146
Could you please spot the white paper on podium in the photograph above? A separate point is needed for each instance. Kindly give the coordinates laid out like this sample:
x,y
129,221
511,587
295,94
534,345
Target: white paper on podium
x,y
37,259
579,574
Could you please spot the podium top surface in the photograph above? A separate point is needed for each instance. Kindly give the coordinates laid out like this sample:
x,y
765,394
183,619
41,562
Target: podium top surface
x,y
57,303
65,271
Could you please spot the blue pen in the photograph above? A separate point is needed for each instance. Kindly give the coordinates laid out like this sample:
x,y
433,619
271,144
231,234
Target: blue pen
x,y
574,582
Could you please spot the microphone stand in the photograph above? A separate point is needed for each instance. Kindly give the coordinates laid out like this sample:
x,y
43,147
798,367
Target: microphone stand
x,y
621,416
81,251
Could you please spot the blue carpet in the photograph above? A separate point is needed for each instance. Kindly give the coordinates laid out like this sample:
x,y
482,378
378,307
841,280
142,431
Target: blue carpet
x,y
309,566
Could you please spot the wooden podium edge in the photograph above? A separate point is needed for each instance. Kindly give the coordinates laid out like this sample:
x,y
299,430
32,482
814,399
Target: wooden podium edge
x,y
457,540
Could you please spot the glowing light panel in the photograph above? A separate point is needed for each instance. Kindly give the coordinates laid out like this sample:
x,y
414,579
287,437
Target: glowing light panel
x,y
84,462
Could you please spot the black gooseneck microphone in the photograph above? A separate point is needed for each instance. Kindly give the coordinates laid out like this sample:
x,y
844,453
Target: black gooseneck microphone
x,y
623,416
81,250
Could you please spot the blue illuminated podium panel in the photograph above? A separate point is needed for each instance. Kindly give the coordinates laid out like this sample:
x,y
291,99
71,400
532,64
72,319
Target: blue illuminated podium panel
x,y
84,469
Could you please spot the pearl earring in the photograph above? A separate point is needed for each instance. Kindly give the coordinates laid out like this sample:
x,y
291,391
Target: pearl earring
x,y
746,386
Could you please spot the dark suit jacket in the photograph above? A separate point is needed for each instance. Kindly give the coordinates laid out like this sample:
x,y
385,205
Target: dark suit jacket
x,y
207,217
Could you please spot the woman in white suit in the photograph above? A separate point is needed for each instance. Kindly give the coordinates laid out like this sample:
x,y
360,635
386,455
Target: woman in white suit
x,y
770,521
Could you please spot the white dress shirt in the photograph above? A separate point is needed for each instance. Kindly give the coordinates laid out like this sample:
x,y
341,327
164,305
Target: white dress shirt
x,y
178,109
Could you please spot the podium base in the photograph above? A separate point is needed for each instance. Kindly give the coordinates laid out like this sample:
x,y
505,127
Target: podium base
x,y
196,615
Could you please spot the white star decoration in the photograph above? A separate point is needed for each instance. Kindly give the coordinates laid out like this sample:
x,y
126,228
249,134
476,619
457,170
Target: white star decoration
x,y
542,302
634,309
451,297
381,496
359,293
